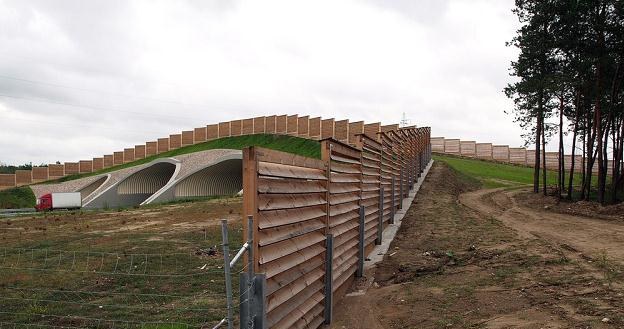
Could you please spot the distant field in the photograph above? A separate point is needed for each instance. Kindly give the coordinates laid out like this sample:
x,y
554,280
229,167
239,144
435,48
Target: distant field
x,y
493,175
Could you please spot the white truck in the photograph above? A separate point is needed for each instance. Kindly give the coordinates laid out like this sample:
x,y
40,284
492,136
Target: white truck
x,y
67,200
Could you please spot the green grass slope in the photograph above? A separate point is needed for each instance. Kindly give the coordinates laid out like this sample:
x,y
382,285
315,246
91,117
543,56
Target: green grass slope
x,y
492,174
18,197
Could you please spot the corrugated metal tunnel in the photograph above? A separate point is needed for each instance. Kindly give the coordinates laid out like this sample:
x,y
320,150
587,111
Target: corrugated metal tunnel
x,y
141,185
223,178
87,190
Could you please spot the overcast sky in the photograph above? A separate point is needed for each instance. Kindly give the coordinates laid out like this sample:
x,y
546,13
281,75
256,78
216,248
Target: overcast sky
x,y
79,79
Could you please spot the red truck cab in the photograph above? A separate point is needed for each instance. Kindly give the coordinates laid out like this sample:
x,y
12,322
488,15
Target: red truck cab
x,y
44,202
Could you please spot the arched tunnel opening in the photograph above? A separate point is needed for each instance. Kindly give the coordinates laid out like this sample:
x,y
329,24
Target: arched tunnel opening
x,y
141,185
87,190
222,179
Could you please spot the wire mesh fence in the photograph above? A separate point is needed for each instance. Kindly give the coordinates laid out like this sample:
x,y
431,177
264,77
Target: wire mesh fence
x,y
43,287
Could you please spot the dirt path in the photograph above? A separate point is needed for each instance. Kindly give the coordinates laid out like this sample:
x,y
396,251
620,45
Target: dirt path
x,y
469,258
594,238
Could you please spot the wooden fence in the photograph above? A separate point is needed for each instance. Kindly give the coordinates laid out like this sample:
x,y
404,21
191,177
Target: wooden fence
x,y
315,220
293,125
505,154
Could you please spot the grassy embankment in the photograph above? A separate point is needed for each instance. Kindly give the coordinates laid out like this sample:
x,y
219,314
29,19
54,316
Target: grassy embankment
x,y
492,175
22,197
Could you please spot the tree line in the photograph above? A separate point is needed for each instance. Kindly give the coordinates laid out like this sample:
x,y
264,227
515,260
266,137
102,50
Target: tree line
x,y
568,81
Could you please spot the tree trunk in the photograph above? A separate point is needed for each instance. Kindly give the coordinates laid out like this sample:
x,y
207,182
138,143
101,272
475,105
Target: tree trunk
x,y
574,137
538,135
545,186
561,174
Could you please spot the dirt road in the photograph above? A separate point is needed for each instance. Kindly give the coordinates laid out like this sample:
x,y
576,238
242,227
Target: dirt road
x,y
589,237
470,258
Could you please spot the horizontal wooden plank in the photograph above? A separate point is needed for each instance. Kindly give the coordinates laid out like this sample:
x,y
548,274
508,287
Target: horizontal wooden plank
x,y
370,180
289,201
281,233
288,171
273,185
370,171
345,238
285,158
312,320
366,187
335,199
345,275
287,292
287,277
310,294
339,158
343,208
287,247
343,187
273,218
345,151
337,230
342,218
344,178
295,315
345,168
286,263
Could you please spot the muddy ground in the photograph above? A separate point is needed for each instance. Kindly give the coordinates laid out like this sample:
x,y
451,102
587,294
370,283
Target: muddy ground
x,y
466,257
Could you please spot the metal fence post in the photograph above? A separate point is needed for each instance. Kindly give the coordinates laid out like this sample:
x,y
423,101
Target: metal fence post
x,y
226,267
360,267
401,188
393,205
381,211
250,271
259,302
329,256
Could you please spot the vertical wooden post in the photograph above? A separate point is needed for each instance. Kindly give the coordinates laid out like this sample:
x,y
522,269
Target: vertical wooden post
x,y
250,197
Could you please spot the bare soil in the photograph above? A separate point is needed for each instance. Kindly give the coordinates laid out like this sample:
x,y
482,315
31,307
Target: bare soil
x,y
472,258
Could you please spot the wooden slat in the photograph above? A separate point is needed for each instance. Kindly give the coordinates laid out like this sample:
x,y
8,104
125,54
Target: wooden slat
x,y
290,313
272,156
343,208
310,294
288,247
272,185
289,201
288,171
285,293
288,262
289,276
273,218
337,157
345,168
344,178
344,187
285,232
336,199
342,218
